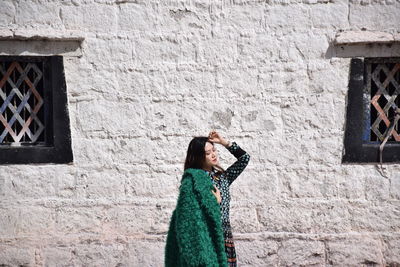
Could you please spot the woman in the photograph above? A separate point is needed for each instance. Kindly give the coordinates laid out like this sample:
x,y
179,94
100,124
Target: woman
x,y
200,232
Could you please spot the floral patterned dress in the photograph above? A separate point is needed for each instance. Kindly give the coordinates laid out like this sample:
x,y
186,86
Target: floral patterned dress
x,y
223,181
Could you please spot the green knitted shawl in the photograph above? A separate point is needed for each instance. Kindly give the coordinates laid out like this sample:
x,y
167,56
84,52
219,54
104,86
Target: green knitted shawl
x,y
195,235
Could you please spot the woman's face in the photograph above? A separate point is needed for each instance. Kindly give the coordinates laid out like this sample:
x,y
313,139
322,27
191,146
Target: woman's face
x,y
211,156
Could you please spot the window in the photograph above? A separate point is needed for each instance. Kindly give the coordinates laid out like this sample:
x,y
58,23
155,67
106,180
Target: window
x,y
373,98
34,122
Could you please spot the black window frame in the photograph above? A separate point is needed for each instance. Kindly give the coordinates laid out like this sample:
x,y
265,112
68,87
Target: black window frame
x,y
356,149
57,147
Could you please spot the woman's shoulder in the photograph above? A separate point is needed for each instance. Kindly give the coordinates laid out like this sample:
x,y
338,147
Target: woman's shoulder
x,y
198,178
191,171
194,174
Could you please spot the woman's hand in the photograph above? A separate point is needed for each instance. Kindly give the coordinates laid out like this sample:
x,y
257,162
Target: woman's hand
x,y
216,138
217,194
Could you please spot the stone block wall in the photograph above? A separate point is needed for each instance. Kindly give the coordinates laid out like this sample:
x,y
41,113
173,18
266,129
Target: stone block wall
x,y
153,74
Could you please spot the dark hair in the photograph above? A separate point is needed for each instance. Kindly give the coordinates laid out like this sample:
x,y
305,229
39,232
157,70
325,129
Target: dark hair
x,y
196,154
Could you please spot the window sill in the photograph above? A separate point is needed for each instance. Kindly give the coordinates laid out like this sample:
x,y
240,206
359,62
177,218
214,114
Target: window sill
x,y
44,42
366,37
41,35
351,44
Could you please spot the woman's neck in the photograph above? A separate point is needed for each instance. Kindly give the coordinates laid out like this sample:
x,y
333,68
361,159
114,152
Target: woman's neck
x,y
209,169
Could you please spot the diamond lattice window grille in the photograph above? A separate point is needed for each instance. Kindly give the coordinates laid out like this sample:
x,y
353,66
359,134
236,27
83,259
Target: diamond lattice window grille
x,y
383,86
34,117
372,100
21,103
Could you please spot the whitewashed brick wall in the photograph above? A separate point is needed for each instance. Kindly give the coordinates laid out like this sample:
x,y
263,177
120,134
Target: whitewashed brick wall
x,y
151,75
